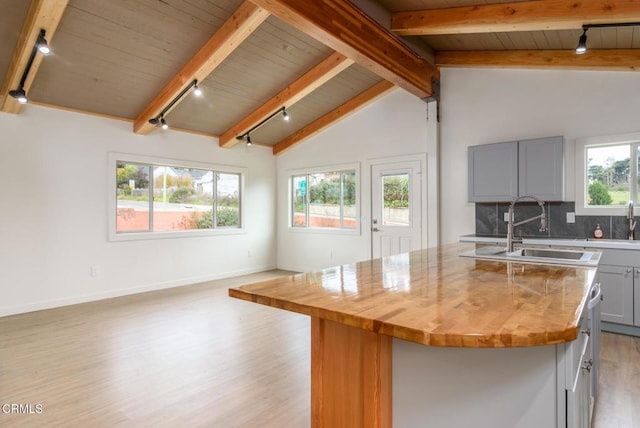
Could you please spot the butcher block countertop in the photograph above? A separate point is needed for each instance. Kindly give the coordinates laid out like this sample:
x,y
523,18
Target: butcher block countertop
x,y
436,298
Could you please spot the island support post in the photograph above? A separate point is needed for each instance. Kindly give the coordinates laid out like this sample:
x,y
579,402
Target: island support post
x,y
351,378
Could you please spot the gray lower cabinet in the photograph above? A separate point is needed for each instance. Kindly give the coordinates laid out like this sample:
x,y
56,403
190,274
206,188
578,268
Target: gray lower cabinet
x,y
617,284
503,171
581,394
636,300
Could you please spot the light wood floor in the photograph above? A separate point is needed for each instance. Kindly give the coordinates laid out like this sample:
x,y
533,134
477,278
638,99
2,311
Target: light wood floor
x,y
618,403
193,357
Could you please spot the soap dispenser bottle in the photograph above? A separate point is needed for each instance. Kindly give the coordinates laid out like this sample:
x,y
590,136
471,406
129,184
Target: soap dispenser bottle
x,y
597,232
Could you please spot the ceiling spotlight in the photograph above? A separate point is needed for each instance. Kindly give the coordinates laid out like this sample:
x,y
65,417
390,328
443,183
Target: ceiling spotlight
x,y
249,140
582,43
42,44
196,90
164,123
285,115
20,95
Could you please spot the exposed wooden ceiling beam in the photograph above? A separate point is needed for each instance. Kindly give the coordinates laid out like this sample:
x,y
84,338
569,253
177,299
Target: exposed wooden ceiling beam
x,y
344,28
233,32
307,83
42,14
329,119
518,16
593,59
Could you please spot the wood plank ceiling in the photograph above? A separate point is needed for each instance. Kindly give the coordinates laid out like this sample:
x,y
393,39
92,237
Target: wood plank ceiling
x,y
321,60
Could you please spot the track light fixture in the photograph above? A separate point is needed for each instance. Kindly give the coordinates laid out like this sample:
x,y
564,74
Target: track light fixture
x,y
159,119
582,42
247,135
40,46
20,95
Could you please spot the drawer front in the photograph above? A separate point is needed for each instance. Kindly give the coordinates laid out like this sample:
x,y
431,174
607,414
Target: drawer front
x,y
576,353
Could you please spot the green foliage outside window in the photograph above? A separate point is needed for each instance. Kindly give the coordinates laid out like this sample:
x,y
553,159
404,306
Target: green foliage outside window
x,y
125,173
181,195
396,191
599,194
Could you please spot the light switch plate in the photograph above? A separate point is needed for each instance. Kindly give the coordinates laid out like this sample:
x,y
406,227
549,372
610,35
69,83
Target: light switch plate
x,y
571,217
506,216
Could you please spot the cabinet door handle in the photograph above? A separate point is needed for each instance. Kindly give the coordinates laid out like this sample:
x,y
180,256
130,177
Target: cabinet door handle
x,y
629,270
637,271
596,297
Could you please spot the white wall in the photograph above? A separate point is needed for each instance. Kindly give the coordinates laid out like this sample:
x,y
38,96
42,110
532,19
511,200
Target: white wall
x,y
53,216
395,125
490,106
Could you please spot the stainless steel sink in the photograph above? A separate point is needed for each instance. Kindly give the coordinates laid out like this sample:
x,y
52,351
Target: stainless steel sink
x,y
536,255
553,254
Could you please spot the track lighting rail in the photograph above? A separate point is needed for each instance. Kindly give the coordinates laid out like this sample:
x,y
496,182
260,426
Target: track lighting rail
x,y
41,46
159,119
581,48
247,135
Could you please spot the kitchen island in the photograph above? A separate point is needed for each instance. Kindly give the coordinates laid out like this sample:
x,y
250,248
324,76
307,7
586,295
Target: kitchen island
x,y
503,340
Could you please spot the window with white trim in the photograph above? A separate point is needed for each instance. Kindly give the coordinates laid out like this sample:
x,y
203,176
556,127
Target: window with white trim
x,y
612,178
607,174
324,200
163,197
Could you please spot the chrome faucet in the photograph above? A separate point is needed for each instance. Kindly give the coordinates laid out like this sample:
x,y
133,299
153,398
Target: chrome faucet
x,y
511,224
632,223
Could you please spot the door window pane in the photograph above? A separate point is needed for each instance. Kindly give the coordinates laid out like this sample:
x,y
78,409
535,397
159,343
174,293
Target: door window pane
x,y
396,200
608,172
228,200
132,192
182,199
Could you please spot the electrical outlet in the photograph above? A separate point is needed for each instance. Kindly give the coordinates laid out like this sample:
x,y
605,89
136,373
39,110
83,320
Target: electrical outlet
x,y
94,270
506,216
571,217
249,253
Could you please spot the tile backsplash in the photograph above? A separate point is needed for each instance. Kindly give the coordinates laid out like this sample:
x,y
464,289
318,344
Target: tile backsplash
x,y
490,221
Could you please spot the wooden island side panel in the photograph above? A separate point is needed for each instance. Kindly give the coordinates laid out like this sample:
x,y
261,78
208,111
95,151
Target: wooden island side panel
x,y
350,376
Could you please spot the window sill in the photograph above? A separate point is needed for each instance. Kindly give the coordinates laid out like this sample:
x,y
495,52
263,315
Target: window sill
x,y
140,236
325,231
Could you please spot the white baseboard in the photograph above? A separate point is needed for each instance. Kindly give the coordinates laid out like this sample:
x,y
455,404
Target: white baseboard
x,y
297,268
92,297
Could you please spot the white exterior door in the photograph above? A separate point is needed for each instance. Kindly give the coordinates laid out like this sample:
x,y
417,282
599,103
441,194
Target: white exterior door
x,y
396,208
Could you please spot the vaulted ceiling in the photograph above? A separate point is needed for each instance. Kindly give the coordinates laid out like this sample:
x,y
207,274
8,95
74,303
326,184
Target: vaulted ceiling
x,y
321,60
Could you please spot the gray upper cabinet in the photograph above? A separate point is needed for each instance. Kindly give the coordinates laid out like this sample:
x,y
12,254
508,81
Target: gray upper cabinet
x,y
503,171
541,168
493,172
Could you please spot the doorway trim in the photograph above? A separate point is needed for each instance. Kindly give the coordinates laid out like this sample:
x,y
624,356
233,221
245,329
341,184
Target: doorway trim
x,y
425,218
